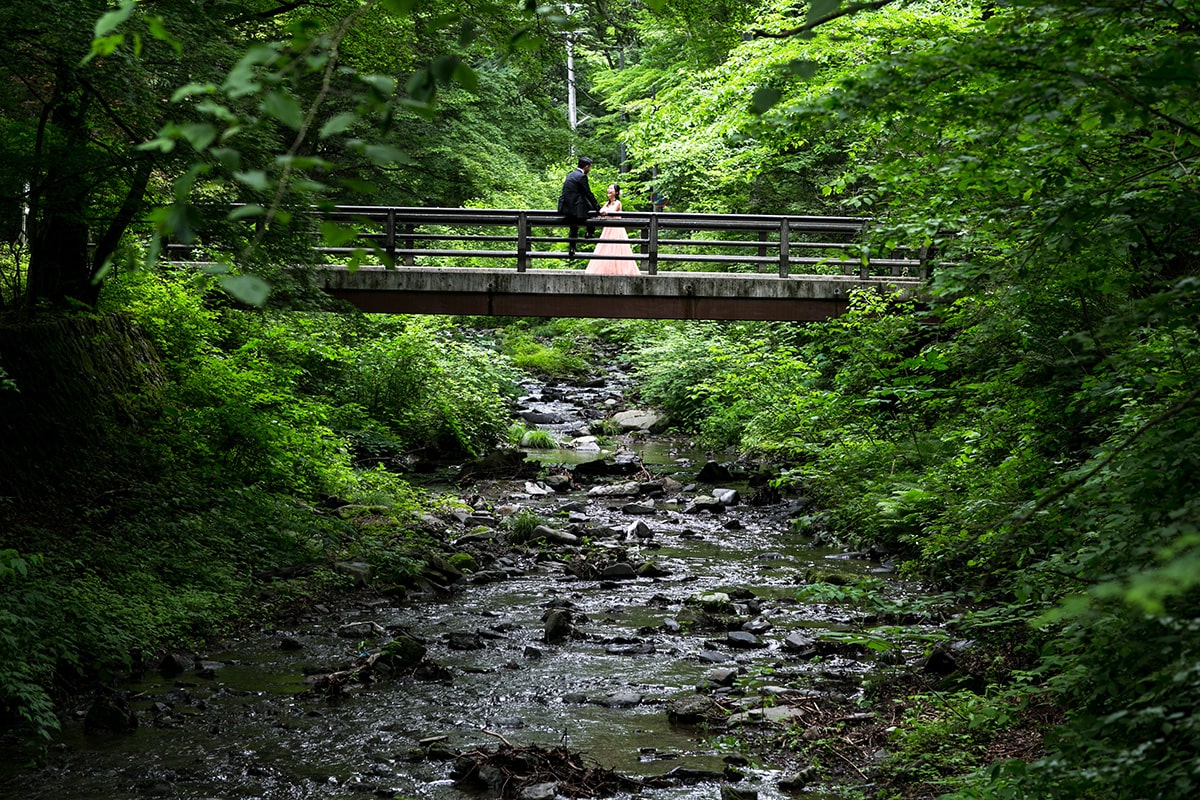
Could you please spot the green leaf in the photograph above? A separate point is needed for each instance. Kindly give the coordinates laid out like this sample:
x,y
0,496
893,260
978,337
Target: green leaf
x,y
255,179
249,289
284,108
246,211
338,124
335,235
765,99
113,19
384,154
190,89
158,30
200,134
819,9
399,6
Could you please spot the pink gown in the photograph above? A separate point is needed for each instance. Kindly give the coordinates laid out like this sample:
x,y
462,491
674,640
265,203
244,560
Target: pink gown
x,y
613,253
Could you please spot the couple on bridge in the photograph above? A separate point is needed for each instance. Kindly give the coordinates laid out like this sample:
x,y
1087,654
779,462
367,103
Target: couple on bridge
x,y
612,255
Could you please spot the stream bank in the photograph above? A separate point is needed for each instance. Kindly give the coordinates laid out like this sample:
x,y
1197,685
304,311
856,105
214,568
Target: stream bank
x,y
651,626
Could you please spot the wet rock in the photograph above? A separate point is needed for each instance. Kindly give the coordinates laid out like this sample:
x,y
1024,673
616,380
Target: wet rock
x,y
757,626
532,653
638,530
743,640
712,657
726,497
774,714
110,712
173,664
559,483
731,792
712,472
402,652
651,569
360,630
732,525
638,509
671,625
558,625
635,420
704,503
537,489
554,535
463,640
692,709
539,791
939,662
799,643
796,781
622,699
358,571
716,678
618,572
627,489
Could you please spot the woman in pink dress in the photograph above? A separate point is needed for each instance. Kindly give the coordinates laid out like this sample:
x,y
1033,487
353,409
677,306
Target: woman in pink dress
x,y
613,255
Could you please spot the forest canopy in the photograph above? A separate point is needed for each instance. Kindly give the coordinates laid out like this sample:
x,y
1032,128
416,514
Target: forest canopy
x,y
1026,439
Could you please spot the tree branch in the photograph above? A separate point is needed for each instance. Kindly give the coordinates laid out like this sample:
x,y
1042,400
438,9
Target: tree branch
x,y
875,5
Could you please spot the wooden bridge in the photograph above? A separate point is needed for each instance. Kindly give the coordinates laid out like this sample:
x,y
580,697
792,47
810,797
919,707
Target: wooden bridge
x,y
693,266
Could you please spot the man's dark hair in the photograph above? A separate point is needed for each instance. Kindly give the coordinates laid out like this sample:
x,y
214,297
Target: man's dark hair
x,y
584,161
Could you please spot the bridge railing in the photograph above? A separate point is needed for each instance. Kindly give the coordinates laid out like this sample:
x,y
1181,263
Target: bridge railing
x,y
813,245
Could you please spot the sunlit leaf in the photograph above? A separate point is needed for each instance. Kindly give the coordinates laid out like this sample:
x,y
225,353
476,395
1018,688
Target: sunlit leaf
x,y
338,124
249,289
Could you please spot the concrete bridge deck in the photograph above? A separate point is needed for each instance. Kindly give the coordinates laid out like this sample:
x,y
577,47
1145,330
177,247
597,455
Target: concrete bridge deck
x,y
572,293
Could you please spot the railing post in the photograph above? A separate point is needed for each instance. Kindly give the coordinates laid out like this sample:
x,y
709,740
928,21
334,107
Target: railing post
x,y
522,241
652,262
784,254
409,244
390,236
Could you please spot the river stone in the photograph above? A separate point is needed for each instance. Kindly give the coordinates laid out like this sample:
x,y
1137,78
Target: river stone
x,y
537,489
618,572
634,419
463,640
703,503
359,571
554,535
638,530
799,643
712,657
559,483
558,625
758,625
726,497
626,489
671,625
539,791
712,472
360,630
638,509
691,709
777,714
743,640
651,569
721,676
622,699
731,792
587,444
403,652
173,664
712,601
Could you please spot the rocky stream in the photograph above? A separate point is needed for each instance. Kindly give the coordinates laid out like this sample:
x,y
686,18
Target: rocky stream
x,y
666,632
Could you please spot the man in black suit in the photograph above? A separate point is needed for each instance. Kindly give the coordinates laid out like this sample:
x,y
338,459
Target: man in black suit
x,y
577,202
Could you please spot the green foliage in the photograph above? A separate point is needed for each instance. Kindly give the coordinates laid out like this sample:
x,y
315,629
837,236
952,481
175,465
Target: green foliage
x,y
563,357
522,524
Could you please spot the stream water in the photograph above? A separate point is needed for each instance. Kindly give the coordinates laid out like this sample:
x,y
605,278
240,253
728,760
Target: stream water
x,y
246,728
